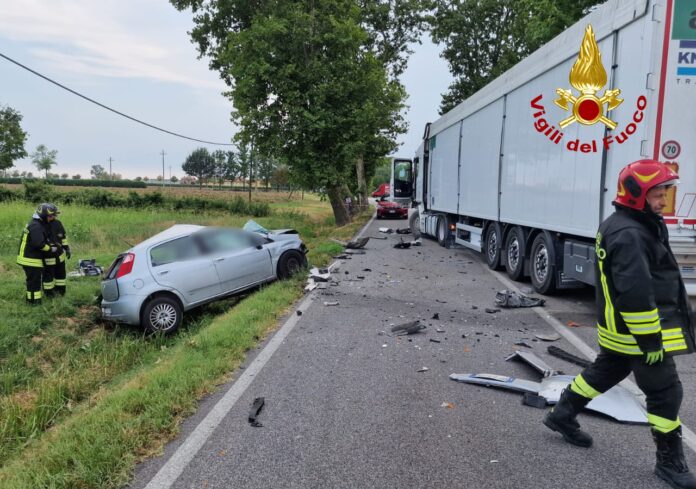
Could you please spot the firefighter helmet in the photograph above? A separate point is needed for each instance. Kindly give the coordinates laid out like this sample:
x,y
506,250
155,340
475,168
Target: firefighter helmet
x,y
640,176
47,209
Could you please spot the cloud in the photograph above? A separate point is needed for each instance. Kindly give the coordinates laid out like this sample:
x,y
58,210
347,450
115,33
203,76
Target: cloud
x,y
110,38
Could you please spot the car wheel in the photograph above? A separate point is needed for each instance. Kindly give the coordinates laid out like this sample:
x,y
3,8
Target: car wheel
x,y
491,248
161,315
514,253
414,224
290,263
543,265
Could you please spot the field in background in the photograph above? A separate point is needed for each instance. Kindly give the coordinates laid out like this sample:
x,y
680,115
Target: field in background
x,y
82,400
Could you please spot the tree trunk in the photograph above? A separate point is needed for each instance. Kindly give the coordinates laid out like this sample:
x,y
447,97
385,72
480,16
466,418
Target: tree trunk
x,y
362,184
339,209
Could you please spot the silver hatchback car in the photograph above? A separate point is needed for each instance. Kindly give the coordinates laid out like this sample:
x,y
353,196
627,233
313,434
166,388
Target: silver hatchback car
x,y
185,266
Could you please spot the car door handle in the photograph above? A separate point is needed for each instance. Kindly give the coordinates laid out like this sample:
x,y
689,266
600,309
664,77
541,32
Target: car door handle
x,y
164,272
218,259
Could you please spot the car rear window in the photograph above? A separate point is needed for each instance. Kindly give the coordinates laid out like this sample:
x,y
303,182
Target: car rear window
x,y
113,269
179,249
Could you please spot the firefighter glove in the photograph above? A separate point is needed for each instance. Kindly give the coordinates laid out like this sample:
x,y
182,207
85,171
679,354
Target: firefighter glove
x,y
654,357
68,255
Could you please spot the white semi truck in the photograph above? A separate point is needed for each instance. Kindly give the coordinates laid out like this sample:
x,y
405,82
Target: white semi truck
x,y
525,169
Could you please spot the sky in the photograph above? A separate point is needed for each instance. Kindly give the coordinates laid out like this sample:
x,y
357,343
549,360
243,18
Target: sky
x,y
136,57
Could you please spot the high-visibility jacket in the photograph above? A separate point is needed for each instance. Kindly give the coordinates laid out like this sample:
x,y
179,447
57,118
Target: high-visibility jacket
x,y
57,235
642,304
33,245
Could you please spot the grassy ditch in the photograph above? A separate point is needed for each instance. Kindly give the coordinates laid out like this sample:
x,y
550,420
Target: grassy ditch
x,y
81,401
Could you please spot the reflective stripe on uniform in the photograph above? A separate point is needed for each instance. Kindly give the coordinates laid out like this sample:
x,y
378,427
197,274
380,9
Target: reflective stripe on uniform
x,y
61,258
50,261
622,343
642,322
60,282
34,295
30,262
580,386
49,285
608,306
663,425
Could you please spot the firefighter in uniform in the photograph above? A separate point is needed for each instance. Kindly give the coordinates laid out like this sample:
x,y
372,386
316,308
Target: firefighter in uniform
x,y
54,271
643,318
33,245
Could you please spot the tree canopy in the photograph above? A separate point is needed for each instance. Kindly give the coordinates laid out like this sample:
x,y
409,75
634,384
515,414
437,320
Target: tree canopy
x,y
12,137
43,158
313,82
199,164
484,38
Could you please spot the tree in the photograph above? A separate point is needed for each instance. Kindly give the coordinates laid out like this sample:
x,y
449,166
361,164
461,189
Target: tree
x,y
77,177
174,179
485,38
64,176
43,158
199,164
232,167
313,82
12,137
138,179
220,171
98,172
281,177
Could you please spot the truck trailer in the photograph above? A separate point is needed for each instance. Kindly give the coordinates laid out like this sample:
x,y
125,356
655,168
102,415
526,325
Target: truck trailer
x,y
525,170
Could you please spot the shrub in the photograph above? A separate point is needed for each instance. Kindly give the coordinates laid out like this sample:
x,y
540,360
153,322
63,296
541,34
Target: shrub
x,y
38,191
238,206
7,195
259,209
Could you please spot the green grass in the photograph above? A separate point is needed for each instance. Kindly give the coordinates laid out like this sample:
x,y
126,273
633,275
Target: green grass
x,y
82,400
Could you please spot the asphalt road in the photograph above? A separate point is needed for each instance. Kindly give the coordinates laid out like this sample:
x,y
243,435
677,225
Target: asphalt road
x,y
346,405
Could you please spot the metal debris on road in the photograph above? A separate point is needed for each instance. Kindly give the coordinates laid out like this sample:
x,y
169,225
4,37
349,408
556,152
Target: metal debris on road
x,y
523,343
403,245
548,337
330,303
511,299
491,310
534,400
434,340
256,408
408,328
534,361
422,369
403,231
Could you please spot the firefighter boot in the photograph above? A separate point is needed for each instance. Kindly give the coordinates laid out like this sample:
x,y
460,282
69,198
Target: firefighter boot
x,y
671,464
563,418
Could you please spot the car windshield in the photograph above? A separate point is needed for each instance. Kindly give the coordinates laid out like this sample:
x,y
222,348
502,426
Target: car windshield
x,y
172,251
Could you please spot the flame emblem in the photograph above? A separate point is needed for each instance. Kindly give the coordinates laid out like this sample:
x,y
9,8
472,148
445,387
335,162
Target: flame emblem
x,y
588,76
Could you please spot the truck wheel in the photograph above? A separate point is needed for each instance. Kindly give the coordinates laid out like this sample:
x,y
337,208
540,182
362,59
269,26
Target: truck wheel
x,y
491,246
542,266
414,224
290,263
442,231
514,253
161,315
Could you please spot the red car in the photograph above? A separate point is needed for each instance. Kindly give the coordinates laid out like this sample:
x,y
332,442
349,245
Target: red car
x,y
382,191
391,210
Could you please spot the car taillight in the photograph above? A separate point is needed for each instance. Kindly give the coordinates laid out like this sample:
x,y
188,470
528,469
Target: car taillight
x,y
126,265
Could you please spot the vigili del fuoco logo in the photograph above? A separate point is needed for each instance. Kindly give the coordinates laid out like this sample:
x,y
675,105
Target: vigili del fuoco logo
x,y
588,77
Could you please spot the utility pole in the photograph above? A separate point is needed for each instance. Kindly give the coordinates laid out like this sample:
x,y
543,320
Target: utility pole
x,y
251,167
111,175
163,176
170,173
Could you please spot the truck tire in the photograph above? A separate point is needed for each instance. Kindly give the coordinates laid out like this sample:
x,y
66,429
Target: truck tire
x,y
542,264
441,231
161,314
414,224
514,253
492,245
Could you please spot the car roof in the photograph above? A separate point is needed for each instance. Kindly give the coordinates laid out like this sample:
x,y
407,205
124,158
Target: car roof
x,y
176,231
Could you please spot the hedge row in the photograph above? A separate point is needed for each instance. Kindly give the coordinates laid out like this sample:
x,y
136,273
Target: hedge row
x,y
69,182
38,191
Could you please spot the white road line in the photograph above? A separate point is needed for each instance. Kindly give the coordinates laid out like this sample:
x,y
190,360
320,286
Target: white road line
x,y
172,469
688,436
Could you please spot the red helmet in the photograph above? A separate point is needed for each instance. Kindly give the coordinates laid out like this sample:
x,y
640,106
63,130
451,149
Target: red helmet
x,y
640,176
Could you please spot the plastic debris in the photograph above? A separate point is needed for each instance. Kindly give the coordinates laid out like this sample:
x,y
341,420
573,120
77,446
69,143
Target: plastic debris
x,y
408,328
386,230
433,340
568,357
511,299
422,369
534,400
573,324
447,405
548,337
490,310
256,408
523,343
330,303
403,231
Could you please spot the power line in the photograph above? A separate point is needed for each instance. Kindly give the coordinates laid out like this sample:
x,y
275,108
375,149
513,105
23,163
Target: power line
x,y
109,108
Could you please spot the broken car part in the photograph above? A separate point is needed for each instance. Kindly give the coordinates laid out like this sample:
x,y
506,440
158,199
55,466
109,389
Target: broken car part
x,y
548,337
510,299
568,357
256,408
408,328
532,359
